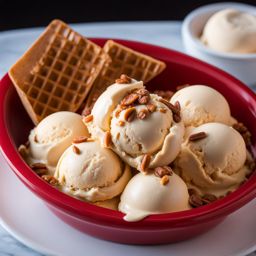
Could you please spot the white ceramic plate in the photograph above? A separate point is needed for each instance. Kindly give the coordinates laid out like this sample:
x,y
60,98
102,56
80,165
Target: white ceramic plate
x,y
29,220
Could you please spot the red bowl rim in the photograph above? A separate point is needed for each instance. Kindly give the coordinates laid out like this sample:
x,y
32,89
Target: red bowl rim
x,y
81,209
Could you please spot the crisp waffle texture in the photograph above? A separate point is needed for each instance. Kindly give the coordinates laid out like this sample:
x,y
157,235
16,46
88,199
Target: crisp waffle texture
x,y
57,72
123,61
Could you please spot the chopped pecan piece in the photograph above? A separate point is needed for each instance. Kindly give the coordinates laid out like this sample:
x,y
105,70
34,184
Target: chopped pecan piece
x,y
124,79
130,114
143,114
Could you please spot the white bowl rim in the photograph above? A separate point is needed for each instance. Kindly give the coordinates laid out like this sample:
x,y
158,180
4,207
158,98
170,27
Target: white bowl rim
x,y
209,8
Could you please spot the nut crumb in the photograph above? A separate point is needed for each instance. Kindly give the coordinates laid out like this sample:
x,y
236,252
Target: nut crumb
x,y
80,139
130,114
107,139
50,179
121,123
88,118
143,114
197,136
145,162
129,99
151,107
124,79
162,110
76,150
162,171
165,180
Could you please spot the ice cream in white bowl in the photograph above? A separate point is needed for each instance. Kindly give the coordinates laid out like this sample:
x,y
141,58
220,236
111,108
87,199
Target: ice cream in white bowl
x,y
234,52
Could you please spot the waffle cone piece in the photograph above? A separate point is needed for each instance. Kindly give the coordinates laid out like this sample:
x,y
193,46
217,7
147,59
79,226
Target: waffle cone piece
x,y
123,61
57,72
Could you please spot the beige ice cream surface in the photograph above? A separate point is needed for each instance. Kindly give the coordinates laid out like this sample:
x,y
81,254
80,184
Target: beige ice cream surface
x,y
202,104
50,138
94,174
214,164
157,135
144,195
231,31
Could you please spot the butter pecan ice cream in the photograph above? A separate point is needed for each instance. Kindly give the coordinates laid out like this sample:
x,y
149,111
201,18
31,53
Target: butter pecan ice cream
x,y
52,136
212,159
145,130
145,195
91,172
202,104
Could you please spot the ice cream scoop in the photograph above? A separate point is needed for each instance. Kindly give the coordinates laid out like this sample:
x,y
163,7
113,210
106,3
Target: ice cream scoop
x,y
91,172
144,131
212,159
145,195
231,31
52,136
202,104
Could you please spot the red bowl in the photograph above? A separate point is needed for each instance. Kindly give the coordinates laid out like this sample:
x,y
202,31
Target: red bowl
x,y
108,224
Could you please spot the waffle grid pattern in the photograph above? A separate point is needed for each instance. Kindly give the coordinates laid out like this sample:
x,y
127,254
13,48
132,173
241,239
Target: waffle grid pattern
x,y
65,73
124,61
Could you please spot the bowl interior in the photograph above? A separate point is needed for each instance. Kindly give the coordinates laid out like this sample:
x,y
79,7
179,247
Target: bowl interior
x,y
181,69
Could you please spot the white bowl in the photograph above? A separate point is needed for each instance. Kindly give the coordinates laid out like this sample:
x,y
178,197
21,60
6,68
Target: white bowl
x,y
242,66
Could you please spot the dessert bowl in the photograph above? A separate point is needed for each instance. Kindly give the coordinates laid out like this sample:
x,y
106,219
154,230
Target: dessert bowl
x,y
241,66
15,126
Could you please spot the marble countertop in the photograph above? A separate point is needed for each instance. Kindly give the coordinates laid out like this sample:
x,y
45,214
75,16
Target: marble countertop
x,y
14,43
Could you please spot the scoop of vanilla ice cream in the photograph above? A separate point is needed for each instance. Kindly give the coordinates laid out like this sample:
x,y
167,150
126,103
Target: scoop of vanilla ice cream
x,y
94,173
141,136
214,164
156,135
106,103
145,195
231,31
202,104
53,135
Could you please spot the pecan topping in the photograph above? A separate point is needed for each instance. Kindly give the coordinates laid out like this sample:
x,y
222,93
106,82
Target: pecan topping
x,y
145,162
76,150
242,129
165,180
251,164
151,107
164,94
107,139
208,198
162,171
36,166
23,151
143,100
197,136
117,113
88,119
195,200
121,123
142,92
35,139
176,118
129,99
80,139
124,79
143,114
130,114
170,106
162,110
177,105
50,179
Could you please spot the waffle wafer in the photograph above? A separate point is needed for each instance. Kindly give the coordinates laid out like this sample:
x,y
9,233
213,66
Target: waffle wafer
x,y
124,61
57,72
